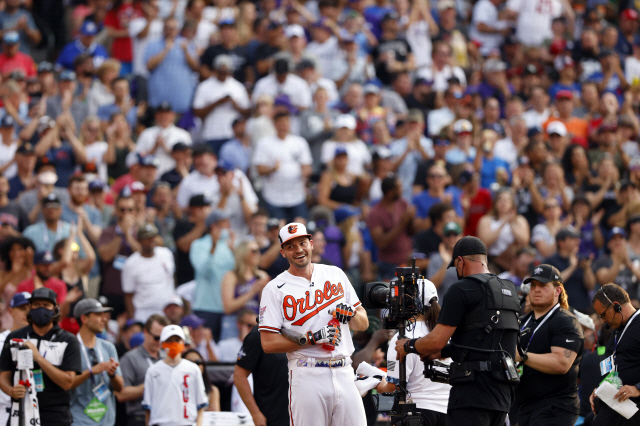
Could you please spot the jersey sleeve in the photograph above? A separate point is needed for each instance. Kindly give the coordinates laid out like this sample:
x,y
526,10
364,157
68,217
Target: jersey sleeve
x,y
271,316
250,352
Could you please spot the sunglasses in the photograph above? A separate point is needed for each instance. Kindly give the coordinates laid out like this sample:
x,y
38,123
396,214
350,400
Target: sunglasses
x,y
156,338
123,210
198,362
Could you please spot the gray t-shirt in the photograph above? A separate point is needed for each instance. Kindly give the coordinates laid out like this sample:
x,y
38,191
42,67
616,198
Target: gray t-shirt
x,y
134,365
29,199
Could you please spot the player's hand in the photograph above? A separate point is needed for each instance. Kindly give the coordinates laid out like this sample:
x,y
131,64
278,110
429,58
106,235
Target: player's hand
x,y
626,392
344,312
327,334
18,391
400,353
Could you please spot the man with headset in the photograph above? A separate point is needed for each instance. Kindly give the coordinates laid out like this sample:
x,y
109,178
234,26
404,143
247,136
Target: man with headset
x,y
56,360
613,305
480,316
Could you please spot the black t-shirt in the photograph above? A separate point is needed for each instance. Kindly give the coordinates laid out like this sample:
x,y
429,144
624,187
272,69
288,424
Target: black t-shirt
x,y
278,266
172,177
589,379
484,391
397,47
577,293
426,242
238,55
627,357
609,202
270,379
63,351
184,270
13,214
264,51
539,389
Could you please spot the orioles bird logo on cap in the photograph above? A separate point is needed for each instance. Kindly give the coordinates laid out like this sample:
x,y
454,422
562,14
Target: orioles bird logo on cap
x,y
292,229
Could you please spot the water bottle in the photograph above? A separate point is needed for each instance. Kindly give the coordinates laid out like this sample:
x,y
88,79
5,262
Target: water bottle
x,y
327,346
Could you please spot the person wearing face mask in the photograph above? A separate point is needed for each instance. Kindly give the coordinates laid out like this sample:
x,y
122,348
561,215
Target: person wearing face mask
x,y
480,316
174,392
56,360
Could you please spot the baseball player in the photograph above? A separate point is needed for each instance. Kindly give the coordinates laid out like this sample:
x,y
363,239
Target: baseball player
x,y
321,387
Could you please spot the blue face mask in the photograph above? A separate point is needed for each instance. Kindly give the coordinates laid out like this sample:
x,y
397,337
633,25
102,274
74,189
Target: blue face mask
x,y
224,234
41,316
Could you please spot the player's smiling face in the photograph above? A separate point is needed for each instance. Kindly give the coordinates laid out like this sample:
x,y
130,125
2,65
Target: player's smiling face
x,y
298,251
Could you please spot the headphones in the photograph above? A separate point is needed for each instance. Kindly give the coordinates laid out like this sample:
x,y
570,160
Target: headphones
x,y
616,306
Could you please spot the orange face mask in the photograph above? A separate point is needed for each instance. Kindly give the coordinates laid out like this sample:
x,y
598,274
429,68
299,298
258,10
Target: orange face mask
x,y
173,349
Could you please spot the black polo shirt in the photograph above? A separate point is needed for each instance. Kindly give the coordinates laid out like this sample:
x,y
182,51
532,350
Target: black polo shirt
x,y
62,350
628,352
484,392
538,389
270,379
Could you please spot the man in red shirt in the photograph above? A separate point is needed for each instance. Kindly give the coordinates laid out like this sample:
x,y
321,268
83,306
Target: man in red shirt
x,y
12,59
43,261
476,201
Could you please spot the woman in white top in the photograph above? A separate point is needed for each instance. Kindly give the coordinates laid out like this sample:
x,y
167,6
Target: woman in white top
x,y
503,230
94,144
345,136
100,93
543,235
431,398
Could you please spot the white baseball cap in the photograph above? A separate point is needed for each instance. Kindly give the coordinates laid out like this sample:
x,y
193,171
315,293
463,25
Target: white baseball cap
x,y
427,291
292,230
345,120
294,30
462,126
557,127
174,299
171,330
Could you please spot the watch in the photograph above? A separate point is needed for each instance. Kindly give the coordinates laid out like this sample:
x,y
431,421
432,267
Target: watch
x,y
410,346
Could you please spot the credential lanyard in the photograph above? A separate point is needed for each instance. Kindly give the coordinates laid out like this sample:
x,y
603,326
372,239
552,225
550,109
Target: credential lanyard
x,y
555,308
617,341
85,353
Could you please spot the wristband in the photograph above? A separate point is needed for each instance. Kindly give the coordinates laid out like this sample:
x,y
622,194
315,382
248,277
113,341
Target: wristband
x,y
310,338
637,386
410,346
523,357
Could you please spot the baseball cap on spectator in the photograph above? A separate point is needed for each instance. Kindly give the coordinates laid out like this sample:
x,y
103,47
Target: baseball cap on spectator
x,y
136,340
89,306
199,200
467,246
170,331
174,300
42,258
511,40
273,223
452,228
7,121
305,64
557,128
494,65
284,101
192,321
446,4
89,28
562,62
292,230
164,106
50,200
215,217
149,230
567,232
532,131
223,61
148,160
629,14
96,185
370,89
67,75
341,150
345,121
45,123
294,30
383,153
616,230
227,22
465,177
441,142
344,212
607,128
44,293
415,116
45,66
530,69
224,166
564,94
180,147
274,25
390,16
422,81
462,126
26,149
625,183
136,186
281,66
11,37
545,274
130,323
20,299
17,75
200,149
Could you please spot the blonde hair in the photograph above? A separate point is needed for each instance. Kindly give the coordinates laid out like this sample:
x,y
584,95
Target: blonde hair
x,y
563,299
240,256
87,121
108,64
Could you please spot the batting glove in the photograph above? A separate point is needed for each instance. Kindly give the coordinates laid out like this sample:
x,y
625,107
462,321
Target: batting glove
x,y
344,312
327,334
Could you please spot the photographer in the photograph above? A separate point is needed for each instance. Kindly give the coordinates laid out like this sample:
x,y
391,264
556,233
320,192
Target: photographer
x,y
431,398
480,316
552,342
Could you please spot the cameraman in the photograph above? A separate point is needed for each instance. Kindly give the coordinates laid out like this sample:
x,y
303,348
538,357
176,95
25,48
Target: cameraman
x,y
480,316
431,398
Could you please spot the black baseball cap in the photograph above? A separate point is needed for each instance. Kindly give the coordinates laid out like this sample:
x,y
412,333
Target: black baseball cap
x,y
199,200
568,232
44,293
200,149
180,147
467,246
164,106
545,274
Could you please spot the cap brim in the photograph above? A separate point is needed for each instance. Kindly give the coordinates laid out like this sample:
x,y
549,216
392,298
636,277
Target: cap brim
x,y
451,264
539,279
295,236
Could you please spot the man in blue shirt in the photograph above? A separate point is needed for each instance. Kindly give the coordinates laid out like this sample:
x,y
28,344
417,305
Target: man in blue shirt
x,y
237,151
436,192
85,43
491,169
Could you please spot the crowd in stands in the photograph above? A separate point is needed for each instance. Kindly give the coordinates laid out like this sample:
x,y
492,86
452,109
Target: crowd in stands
x,y
151,150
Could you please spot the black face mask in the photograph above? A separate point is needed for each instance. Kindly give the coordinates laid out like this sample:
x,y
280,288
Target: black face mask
x,y
87,73
41,316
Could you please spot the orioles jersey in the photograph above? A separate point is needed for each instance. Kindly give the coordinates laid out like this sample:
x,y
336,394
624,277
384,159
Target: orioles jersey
x,y
300,305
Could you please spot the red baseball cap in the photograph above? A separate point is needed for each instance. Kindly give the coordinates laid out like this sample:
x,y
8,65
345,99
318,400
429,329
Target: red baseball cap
x,y
630,14
564,94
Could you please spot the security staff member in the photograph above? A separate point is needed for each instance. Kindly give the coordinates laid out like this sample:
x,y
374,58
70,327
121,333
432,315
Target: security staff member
x,y
612,304
56,360
552,343
480,316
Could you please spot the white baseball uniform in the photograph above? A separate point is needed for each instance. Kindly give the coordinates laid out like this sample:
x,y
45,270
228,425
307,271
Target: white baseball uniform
x,y
318,396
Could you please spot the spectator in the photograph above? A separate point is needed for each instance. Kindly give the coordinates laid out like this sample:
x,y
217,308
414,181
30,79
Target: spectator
x,y
521,266
236,198
99,363
24,179
203,179
488,27
211,257
337,185
117,242
17,255
282,82
437,192
101,91
163,390
147,276
135,364
345,137
171,58
285,169
201,337
44,277
85,44
12,59
67,100
78,196
160,139
45,234
186,232
19,19
218,101
576,127
97,198
588,226
229,45
181,154
122,102
533,25
142,30
475,201
492,170
441,69
12,217
238,150
130,328
213,393
617,265
31,200
543,234
266,51
58,370
392,54
174,309
437,271
117,23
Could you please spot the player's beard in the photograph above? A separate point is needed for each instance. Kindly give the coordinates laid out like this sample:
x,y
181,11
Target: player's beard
x,y
301,263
